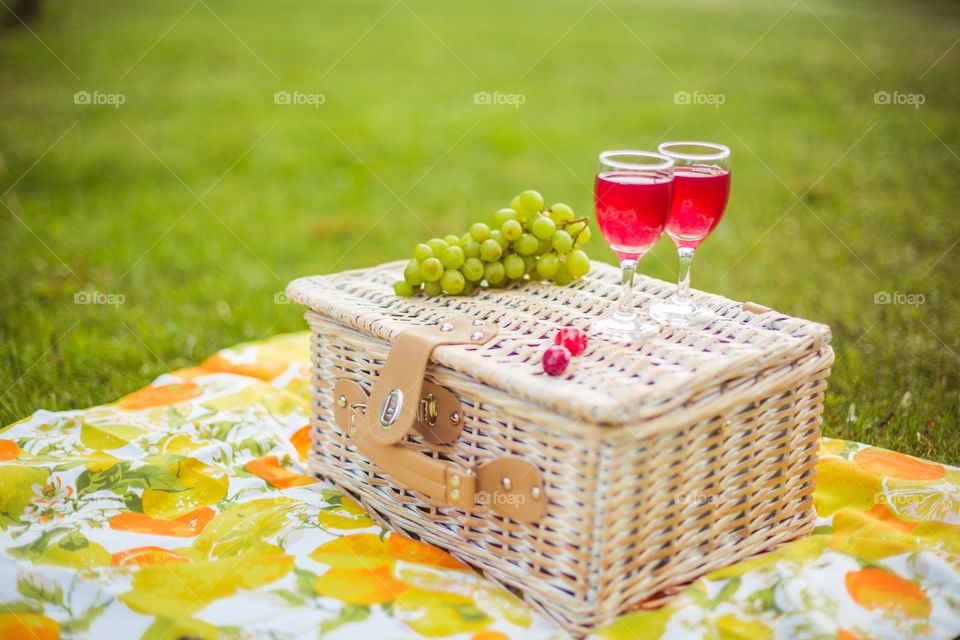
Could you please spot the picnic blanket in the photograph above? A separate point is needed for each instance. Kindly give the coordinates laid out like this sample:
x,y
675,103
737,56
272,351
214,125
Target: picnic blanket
x,y
185,510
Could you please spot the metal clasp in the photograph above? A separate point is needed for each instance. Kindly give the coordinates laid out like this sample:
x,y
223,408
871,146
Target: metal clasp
x,y
427,411
391,408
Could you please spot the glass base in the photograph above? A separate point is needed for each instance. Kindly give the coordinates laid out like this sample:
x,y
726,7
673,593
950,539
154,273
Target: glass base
x,y
622,327
681,314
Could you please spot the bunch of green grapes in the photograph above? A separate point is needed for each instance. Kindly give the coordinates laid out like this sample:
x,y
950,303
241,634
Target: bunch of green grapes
x,y
524,241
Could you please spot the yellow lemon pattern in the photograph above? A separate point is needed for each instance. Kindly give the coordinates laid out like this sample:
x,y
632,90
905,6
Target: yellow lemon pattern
x,y
201,486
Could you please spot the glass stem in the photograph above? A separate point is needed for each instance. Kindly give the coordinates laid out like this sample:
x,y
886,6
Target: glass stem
x,y
682,294
625,304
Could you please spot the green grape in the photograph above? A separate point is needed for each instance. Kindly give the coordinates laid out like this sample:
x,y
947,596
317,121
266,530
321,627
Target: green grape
x,y
531,200
437,245
473,269
432,289
403,288
472,249
584,236
502,216
411,273
514,266
542,227
522,214
529,264
453,257
452,282
562,277
548,264
451,239
464,239
431,269
422,251
490,250
479,231
497,235
526,245
562,242
543,246
561,213
575,227
468,288
494,273
511,230
578,263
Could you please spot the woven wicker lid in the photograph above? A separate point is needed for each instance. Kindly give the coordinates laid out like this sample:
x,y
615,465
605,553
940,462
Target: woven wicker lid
x,y
611,383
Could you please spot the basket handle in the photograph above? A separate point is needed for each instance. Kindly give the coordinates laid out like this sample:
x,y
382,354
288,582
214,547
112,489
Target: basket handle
x,y
376,424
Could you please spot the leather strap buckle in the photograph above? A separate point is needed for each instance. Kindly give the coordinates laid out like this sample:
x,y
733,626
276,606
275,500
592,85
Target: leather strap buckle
x,y
508,485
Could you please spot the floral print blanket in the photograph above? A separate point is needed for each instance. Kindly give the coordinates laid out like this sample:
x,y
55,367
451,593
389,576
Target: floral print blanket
x,y
185,510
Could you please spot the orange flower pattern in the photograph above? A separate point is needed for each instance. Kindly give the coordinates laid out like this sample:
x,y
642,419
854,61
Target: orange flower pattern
x,y
270,469
159,396
189,499
875,588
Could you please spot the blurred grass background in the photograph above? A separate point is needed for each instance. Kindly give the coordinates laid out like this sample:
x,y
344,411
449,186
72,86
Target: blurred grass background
x,y
199,198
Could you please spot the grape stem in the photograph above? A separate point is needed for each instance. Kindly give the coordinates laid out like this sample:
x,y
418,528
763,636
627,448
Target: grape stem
x,y
586,224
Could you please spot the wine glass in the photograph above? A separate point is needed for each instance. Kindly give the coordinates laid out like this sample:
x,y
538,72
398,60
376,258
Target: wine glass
x,y
701,187
632,191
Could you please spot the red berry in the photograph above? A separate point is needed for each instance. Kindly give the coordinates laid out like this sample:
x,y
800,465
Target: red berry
x,y
555,360
574,339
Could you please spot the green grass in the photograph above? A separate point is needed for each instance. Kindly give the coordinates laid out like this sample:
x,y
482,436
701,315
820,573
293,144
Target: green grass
x,y
294,190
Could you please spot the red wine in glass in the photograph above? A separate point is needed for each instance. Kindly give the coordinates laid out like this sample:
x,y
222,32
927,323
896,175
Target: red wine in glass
x,y
700,196
631,210
700,192
632,195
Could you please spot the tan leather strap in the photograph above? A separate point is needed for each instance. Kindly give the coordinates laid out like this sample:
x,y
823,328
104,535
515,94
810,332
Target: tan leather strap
x,y
395,398
509,486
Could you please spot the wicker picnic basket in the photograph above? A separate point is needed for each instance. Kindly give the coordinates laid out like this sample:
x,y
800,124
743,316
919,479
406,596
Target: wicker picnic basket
x,y
643,467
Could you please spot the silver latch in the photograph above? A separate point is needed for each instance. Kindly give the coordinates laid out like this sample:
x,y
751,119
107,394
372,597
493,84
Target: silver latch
x,y
391,408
